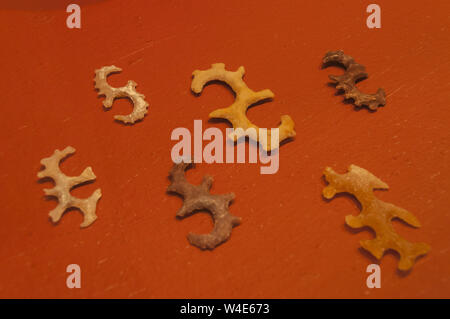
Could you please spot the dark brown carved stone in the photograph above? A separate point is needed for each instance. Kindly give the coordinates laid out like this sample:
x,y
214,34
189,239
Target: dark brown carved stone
x,y
347,81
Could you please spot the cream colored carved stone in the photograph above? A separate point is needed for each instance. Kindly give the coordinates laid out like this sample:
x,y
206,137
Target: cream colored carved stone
x,y
63,185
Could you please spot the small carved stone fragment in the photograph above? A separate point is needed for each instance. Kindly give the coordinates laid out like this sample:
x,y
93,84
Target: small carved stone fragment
x,y
111,93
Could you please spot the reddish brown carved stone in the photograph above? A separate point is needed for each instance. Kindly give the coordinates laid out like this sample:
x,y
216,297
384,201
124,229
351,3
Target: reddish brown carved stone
x,y
197,197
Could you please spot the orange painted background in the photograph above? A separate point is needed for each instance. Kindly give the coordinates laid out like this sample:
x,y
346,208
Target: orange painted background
x,y
291,243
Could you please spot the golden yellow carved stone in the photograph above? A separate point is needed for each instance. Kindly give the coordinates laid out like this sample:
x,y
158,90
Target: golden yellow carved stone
x,y
375,214
245,97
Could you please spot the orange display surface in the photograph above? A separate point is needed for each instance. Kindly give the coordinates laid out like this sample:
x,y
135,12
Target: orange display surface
x,y
291,243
